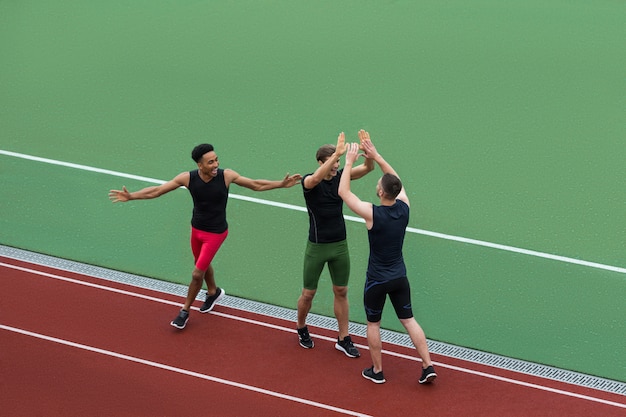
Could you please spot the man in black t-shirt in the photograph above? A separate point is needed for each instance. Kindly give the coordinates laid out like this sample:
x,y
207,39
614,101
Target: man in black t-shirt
x,y
326,244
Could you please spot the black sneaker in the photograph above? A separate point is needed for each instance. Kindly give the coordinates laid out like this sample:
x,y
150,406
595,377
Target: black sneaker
x,y
428,375
377,378
210,301
305,340
181,320
346,346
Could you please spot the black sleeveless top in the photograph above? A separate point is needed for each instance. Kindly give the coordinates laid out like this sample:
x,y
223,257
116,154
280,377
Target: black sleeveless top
x,y
325,207
209,202
386,239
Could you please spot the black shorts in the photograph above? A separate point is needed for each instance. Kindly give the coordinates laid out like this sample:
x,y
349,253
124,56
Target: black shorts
x,y
375,295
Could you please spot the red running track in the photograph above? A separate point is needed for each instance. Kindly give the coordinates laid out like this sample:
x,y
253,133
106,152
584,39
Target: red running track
x,y
73,345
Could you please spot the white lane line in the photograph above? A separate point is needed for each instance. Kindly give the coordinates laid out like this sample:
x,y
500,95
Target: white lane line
x,y
182,371
438,235
291,330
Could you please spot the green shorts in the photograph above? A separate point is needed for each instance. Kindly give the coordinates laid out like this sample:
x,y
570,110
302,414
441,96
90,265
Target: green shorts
x,y
335,254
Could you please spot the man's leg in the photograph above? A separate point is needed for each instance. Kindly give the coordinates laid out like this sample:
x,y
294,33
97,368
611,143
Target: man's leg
x,y
305,302
311,271
304,306
194,288
400,296
419,340
342,310
338,257
344,341
209,278
197,276
375,344
213,293
374,297
210,244
204,246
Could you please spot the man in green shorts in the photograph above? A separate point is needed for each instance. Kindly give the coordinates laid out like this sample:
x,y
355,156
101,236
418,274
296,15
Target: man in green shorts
x,y
327,242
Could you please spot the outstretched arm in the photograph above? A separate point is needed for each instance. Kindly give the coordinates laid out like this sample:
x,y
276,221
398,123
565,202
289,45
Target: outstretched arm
x,y
123,195
260,185
362,208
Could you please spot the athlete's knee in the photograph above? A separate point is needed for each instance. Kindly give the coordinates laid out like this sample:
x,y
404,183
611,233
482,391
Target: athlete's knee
x,y
374,324
197,275
340,291
307,295
373,316
410,324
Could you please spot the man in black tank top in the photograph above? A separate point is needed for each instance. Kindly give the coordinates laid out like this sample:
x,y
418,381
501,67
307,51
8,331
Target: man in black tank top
x,y
208,186
386,271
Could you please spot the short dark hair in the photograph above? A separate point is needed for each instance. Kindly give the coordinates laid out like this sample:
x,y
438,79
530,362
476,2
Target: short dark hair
x,y
198,151
391,185
324,152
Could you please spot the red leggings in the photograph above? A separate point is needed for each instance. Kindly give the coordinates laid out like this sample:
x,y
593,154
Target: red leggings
x,y
205,245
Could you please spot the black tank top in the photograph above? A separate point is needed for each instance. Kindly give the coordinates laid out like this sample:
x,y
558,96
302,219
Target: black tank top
x,y
386,239
325,207
209,202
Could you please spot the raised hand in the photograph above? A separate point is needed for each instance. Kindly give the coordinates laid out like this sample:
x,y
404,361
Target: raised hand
x,y
363,135
340,149
366,145
353,153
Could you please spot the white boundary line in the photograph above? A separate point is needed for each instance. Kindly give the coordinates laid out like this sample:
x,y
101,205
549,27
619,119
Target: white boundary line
x,y
351,218
183,371
276,327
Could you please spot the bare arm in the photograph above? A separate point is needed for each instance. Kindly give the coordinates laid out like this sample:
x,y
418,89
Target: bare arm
x,y
362,208
260,185
123,195
323,170
360,171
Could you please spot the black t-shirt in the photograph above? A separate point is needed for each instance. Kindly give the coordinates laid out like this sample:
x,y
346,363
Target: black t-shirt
x,y
209,202
325,207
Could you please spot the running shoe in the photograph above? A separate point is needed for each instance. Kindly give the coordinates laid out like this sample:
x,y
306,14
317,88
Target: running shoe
x,y
346,346
210,301
181,320
377,378
428,375
305,339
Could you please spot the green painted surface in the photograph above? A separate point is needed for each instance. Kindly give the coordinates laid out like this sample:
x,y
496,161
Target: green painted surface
x,y
505,119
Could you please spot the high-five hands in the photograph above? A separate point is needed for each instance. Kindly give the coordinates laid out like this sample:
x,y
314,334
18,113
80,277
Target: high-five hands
x,y
363,135
340,149
353,153
366,145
